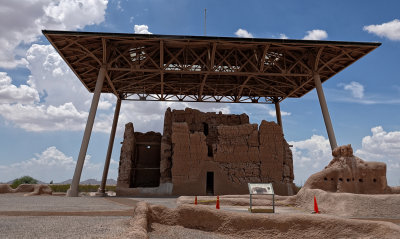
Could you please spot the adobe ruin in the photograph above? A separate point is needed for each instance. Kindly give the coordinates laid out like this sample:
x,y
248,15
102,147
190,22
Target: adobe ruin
x,y
204,154
347,173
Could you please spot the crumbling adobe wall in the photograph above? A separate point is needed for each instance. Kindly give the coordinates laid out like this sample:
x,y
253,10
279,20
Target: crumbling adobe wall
x,y
350,174
197,121
127,157
251,155
191,163
241,153
133,144
195,143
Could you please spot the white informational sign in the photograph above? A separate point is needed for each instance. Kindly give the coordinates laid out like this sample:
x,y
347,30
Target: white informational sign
x,y
261,188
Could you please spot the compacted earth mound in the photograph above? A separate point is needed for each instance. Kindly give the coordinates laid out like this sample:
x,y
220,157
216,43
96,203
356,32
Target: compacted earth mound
x,y
29,189
244,225
347,173
351,187
352,205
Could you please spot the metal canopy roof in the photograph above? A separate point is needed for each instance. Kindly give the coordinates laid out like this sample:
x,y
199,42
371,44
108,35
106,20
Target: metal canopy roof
x,y
203,69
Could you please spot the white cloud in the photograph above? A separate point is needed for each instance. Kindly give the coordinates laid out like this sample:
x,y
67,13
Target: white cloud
x,y
52,164
390,30
384,147
51,76
283,113
310,156
141,29
26,19
316,35
283,36
243,33
104,105
63,105
44,118
10,93
381,145
356,89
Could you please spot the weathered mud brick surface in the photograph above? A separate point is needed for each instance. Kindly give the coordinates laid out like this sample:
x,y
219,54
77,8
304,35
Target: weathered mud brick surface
x,y
126,157
195,144
350,174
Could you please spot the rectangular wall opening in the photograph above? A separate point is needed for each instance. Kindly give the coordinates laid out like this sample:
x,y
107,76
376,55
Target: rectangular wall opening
x,y
210,184
147,168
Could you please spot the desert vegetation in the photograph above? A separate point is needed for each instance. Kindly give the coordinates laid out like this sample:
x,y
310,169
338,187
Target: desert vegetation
x,y
23,180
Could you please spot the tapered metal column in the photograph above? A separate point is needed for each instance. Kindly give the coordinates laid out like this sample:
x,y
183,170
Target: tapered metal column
x,y
73,190
278,113
102,189
325,112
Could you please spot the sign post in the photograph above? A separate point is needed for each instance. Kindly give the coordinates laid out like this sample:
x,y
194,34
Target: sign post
x,y
261,189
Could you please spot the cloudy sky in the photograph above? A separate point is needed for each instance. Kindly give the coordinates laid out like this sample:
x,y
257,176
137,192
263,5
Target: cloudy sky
x,y
44,107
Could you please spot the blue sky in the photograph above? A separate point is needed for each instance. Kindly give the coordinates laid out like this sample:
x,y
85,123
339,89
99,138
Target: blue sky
x,y
43,106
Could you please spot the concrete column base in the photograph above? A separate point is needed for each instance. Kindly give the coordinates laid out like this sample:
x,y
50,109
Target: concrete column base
x,y
72,193
101,193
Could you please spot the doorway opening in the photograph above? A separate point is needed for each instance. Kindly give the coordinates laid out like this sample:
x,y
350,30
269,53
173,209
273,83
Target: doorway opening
x,y
210,184
146,172
205,127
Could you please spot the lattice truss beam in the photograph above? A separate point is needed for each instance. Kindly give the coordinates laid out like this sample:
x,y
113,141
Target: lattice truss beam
x,y
203,69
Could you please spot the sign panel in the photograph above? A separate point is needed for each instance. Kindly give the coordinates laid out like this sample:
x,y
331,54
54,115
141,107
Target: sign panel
x,y
261,188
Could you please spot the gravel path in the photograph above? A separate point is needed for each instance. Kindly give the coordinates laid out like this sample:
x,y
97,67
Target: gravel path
x,y
170,202
62,227
17,202
63,217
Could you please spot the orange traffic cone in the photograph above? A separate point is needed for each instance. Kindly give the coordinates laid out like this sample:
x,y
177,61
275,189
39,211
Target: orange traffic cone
x,y
315,205
217,206
195,200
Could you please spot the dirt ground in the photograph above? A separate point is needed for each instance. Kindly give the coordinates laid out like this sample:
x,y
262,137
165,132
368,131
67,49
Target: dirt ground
x,y
342,215
62,217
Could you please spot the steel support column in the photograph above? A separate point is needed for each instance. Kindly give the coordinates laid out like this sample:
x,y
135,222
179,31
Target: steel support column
x,y
102,189
73,190
325,112
278,113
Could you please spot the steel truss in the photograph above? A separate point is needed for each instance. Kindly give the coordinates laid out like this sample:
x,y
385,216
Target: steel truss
x,y
203,69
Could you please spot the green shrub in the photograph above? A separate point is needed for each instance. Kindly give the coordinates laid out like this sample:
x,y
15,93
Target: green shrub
x,y
59,187
23,180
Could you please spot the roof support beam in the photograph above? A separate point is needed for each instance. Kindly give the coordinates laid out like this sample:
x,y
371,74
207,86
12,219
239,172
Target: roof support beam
x,y
232,73
73,191
278,112
241,89
110,83
325,112
262,60
203,82
102,189
162,67
212,58
205,65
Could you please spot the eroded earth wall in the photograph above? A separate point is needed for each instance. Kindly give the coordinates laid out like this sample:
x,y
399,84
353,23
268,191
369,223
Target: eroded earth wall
x,y
195,144
126,160
197,121
235,151
347,173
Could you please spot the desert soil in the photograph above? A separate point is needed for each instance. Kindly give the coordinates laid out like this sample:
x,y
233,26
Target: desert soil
x,y
62,217
112,217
